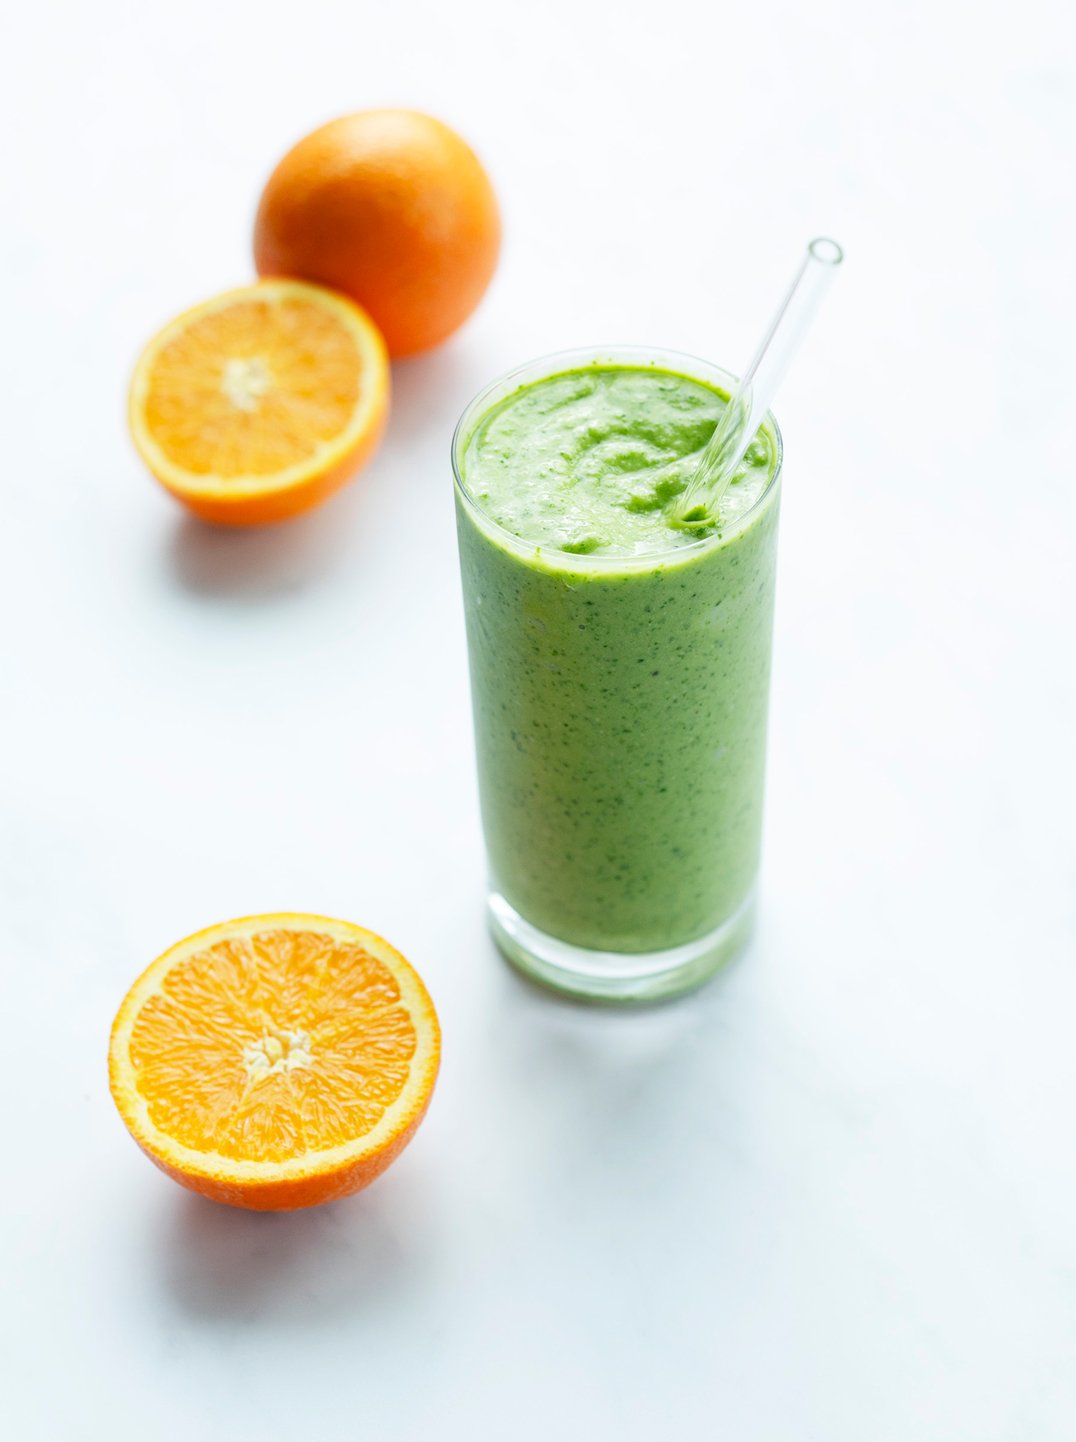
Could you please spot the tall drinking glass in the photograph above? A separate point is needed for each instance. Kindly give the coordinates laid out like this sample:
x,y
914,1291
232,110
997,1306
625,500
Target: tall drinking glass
x,y
620,700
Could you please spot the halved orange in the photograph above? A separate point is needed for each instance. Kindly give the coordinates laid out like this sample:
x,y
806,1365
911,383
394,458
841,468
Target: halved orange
x,y
277,1061
259,403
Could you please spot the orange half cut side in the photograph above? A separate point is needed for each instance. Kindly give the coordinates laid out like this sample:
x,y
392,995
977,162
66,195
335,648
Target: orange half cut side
x,y
277,1061
259,403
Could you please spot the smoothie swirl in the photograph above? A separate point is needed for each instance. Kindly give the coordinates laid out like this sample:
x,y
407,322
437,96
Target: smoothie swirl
x,y
592,461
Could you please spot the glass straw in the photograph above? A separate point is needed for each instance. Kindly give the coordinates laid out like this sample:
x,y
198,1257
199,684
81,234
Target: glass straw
x,y
701,500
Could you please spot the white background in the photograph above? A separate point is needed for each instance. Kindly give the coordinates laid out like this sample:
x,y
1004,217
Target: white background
x,y
832,1196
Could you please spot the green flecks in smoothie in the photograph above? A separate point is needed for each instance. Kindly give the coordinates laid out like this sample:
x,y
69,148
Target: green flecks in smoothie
x,y
619,689
593,460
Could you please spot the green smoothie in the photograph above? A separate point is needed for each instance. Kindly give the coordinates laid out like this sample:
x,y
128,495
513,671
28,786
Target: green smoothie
x,y
619,663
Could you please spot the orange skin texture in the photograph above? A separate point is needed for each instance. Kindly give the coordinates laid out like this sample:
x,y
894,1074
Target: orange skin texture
x,y
394,209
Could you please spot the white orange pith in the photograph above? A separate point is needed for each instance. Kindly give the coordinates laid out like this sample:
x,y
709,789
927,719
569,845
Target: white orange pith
x,y
277,1061
258,403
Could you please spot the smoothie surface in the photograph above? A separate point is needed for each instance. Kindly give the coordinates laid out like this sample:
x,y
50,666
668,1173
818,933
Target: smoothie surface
x,y
591,461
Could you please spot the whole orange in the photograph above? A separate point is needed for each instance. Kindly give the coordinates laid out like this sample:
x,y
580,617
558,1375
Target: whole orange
x,y
394,209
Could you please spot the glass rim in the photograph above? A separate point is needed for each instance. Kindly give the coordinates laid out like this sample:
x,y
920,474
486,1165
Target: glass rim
x,y
551,364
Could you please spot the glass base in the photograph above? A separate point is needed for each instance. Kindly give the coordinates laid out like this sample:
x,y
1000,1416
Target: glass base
x,y
617,975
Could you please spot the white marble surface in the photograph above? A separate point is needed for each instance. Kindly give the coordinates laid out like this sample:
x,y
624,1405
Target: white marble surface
x,y
831,1197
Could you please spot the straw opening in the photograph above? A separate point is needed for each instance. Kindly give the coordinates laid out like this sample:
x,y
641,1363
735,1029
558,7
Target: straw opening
x,y
826,250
